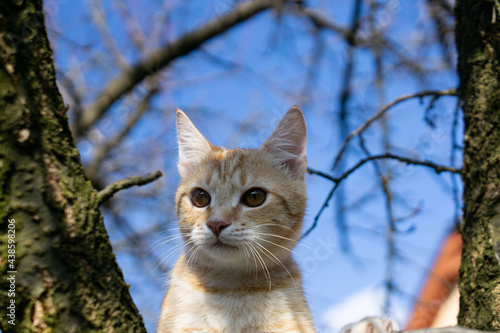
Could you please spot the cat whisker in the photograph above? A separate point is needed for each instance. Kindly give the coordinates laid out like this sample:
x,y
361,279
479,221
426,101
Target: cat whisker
x,y
169,230
172,252
286,238
263,264
162,242
273,243
167,255
267,225
253,256
279,225
165,242
282,237
168,233
166,259
277,262
165,233
191,257
163,238
246,258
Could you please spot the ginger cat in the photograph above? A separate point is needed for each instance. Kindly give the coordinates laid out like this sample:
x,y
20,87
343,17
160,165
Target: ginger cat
x,y
240,214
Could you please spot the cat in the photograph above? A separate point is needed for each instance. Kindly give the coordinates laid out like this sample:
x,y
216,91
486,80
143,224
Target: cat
x,y
240,214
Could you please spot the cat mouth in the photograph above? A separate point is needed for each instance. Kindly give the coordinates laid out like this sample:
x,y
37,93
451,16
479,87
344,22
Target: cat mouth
x,y
220,245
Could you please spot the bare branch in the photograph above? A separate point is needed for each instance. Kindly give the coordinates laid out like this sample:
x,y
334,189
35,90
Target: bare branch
x,y
344,98
162,57
437,167
359,40
320,21
102,151
337,180
325,205
442,14
313,70
322,174
382,111
131,25
383,172
111,189
99,18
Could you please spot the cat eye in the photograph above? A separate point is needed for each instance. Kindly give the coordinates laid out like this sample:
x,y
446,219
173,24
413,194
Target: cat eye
x,y
254,197
200,198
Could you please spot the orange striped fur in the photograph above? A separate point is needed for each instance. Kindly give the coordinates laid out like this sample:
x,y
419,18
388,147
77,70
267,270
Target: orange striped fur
x,y
237,273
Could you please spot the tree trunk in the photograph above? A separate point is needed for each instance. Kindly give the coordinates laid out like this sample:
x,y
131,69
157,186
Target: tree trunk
x,y
478,35
64,274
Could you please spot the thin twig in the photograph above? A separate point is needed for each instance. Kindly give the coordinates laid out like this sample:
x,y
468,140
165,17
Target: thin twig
x,y
319,20
325,205
337,180
406,217
383,172
382,111
313,70
437,167
159,59
111,189
391,227
132,27
343,118
98,14
322,174
102,150
441,13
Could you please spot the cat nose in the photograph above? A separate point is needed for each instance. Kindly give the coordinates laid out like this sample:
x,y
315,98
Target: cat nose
x,y
217,226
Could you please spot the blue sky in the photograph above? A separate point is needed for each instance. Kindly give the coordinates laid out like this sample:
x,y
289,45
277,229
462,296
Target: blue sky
x,y
251,76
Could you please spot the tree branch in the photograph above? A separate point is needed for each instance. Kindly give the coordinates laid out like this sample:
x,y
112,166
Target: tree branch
x,y
98,15
322,174
320,21
437,167
337,180
111,189
382,111
162,57
102,151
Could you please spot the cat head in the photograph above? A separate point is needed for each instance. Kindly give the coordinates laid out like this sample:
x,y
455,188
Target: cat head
x,y
242,206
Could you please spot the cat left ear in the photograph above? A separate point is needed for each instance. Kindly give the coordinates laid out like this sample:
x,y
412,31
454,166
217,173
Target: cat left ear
x,y
192,144
287,144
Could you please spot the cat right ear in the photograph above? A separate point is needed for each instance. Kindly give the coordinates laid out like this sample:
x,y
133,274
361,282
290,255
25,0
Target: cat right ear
x,y
192,144
287,144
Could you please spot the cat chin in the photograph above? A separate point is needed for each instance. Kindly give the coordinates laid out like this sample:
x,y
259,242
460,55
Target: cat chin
x,y
222,251
221,254
223,246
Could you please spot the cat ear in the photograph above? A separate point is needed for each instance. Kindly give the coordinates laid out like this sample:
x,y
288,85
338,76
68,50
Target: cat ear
x,y
287,144
192,144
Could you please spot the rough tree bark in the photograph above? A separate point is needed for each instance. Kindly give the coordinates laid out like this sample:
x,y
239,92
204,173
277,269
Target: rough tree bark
x,y
477,37
67,279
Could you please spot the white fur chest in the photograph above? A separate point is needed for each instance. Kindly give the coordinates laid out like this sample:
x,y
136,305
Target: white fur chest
x,y
227,312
